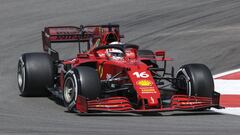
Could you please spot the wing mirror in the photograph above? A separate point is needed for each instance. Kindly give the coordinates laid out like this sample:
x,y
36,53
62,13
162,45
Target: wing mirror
x,y
160,53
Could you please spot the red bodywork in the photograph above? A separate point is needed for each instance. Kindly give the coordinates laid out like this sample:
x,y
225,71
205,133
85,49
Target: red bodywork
x,y
148,95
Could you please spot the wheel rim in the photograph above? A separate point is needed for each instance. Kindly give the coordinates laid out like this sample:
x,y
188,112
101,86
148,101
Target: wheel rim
x,y
184,83
69,90
21,76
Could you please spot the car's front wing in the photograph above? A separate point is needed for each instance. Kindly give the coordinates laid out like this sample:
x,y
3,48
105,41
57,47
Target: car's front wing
x,y
122,104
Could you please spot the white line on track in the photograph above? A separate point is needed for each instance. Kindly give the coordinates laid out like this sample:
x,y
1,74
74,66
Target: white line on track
x,y
226,73
227,87
230,87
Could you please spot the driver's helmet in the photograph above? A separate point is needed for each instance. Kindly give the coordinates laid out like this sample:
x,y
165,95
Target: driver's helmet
x,y
114,54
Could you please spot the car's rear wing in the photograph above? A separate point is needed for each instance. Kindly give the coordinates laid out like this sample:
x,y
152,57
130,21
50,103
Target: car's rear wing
x,y
61,34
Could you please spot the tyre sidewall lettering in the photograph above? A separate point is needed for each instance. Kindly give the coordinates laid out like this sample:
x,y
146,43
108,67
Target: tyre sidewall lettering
x,y
188,80
22,65
72,74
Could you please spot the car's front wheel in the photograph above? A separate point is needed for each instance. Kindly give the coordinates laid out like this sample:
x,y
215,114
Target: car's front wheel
x,y
82,81
195,80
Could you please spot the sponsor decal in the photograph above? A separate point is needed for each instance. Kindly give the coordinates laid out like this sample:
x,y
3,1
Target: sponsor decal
x,y
148,90
100,70
190,103
144,83
107,106
97,43
152,100
108,76
100,30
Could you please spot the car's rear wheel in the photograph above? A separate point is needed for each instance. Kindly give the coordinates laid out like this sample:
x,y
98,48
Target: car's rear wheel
x,y
195,80
82,81
35,74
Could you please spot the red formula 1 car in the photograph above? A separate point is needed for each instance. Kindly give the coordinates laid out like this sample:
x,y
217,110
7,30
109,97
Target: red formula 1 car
x,y
111,76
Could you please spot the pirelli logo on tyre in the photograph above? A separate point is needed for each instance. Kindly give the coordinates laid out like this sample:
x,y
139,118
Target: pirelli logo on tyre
x,y
144,83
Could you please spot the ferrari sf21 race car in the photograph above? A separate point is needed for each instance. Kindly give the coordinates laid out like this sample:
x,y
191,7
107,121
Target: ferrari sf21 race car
x,y
112,76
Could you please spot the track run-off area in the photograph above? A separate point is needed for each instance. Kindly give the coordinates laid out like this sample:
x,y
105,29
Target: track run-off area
x,y
228,84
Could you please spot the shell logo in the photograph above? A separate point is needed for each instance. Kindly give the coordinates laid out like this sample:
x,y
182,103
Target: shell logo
x,y
144,83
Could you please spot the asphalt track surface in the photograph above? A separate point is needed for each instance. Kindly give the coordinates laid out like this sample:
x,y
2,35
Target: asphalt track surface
x,y
204,31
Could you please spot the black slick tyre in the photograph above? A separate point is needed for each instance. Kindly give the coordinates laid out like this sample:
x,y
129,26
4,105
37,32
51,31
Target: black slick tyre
x,y
195,80
82,81
34,74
